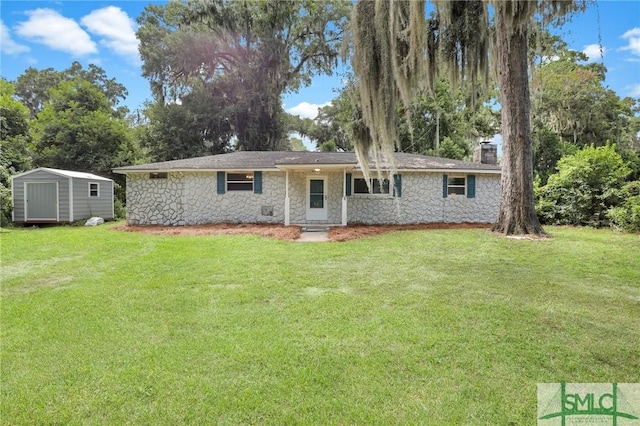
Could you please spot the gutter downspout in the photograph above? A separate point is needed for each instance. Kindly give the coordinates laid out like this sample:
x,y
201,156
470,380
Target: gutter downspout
x,y
344,197
113,200
13,201
71,199
287,218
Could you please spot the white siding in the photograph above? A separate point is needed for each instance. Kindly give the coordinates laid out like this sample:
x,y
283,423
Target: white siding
x,y
40,176
85,206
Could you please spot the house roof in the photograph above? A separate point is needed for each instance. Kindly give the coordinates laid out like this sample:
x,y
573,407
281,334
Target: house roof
x,y
64,173
280,160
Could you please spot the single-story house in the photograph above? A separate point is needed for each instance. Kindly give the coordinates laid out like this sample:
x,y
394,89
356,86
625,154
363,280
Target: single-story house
x,y
45,195
311,188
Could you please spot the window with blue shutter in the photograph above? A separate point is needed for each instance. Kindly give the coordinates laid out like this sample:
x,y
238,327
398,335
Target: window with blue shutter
x,y
471,186
397,185
257,182
445,186
221,182
347,188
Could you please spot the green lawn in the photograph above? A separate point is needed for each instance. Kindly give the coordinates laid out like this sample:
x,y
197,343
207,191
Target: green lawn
x,y
419,327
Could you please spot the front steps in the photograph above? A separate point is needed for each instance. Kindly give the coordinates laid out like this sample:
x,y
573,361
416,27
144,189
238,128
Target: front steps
x,y
315,228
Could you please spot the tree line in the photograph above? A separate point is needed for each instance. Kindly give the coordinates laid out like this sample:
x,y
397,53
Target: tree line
x,y
218,71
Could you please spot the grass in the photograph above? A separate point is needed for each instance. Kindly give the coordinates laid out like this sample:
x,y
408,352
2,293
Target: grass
x,y
418,327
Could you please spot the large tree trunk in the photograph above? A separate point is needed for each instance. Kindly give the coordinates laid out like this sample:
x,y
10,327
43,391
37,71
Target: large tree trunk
x,y
517,209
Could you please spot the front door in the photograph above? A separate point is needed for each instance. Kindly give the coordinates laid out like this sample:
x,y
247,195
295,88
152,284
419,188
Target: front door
x,y
316,198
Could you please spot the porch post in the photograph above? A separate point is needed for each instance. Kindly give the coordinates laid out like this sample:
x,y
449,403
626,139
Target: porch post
x,y
344,197
287,218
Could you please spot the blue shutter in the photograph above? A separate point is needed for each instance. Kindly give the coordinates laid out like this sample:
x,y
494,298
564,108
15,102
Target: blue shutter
x,y
471,186
257,182
445,184
221,182
347,188
397,185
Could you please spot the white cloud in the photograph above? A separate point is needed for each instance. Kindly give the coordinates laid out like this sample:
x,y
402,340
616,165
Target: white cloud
x,y
48,27
306,110
117,29
593,52
633,36
634,90
7,44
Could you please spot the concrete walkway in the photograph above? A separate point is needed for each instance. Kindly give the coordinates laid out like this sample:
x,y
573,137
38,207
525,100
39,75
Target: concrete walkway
x,y
313,237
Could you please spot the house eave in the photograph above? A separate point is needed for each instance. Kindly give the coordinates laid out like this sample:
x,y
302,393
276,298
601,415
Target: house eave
x,y
307,168
124,171
452,170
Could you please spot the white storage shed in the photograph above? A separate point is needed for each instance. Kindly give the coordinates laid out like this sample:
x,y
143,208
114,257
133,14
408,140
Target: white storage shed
x,y
45,195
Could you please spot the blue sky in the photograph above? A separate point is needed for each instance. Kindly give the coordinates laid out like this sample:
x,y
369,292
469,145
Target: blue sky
x,y
44,34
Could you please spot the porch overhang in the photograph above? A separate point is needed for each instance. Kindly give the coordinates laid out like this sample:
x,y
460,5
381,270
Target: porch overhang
x,y
312,169
316,167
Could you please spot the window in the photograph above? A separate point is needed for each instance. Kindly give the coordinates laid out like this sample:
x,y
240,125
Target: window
x,y
457,185
94,189
377,186
158,175
240,181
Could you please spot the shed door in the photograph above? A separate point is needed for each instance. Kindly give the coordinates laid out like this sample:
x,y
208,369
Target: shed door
x,y
42,201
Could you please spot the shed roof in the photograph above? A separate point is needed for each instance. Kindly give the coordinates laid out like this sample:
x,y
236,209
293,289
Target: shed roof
x,y
65,173
265,160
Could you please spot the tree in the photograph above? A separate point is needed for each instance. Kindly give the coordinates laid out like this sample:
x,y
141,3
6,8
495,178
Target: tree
x,y
570,108
569,100
548,149
446,125
78,129
333,126
14,143
33,86
395,47
194,127
296,144
249,53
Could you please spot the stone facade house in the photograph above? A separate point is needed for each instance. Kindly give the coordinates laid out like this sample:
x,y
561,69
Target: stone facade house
x,y
312,188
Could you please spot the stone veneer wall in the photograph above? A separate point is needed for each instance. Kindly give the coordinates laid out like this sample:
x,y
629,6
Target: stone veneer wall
x,y
422,202
189,199
155,201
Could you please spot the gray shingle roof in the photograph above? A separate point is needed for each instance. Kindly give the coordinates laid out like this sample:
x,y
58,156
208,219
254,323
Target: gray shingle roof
x,y
264,160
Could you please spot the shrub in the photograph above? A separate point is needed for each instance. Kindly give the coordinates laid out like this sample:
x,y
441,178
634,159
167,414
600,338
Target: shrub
x,y
627,215
586,186
6,205
119,210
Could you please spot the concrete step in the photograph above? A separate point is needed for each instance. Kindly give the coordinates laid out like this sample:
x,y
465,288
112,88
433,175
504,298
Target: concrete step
x,y
316,228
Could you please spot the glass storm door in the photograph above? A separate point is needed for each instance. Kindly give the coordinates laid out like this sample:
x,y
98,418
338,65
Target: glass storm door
x,y
317,198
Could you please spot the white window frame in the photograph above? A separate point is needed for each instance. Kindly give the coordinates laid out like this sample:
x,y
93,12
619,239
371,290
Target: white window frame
x,y
450,185
250,179
381,193
97,190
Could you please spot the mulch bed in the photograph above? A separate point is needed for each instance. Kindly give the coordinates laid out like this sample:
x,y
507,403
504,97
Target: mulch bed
x,y
290,233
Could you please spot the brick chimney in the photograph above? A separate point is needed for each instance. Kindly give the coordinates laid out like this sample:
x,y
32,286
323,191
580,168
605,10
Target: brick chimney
x,y
486,153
